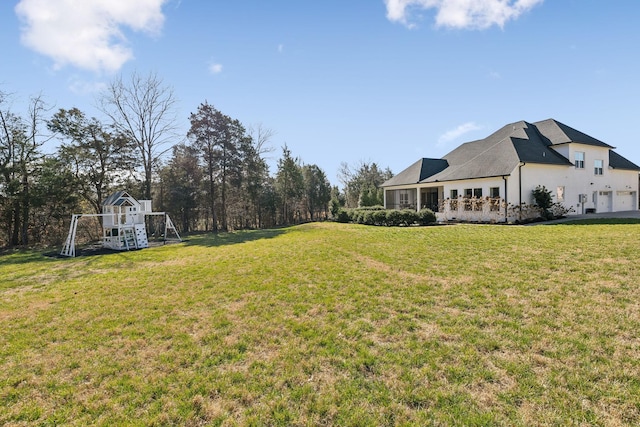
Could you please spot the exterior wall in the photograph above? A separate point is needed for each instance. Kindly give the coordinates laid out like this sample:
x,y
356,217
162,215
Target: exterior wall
x,y
584,191
145,206
479,189
492,210
484,184
110,219
125,214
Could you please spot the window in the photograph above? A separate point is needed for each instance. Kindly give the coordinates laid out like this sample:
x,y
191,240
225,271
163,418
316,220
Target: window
x,y
579,159
494,192
468,192
404,198
454,194
477,192
597,167
560,194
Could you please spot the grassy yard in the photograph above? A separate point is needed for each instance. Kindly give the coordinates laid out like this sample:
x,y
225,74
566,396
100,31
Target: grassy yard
x,y
330,324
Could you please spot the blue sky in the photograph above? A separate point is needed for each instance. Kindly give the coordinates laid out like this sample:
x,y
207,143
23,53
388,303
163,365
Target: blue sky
x,y
385,81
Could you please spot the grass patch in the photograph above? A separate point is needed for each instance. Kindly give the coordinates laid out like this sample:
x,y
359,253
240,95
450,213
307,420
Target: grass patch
x,y
330,324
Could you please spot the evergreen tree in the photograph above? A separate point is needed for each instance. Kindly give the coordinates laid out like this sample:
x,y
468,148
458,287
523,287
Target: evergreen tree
x,y
181,182
317,190
362,184
289,186
221,142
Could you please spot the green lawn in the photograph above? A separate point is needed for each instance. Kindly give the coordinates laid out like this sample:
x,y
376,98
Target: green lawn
x,y
330,324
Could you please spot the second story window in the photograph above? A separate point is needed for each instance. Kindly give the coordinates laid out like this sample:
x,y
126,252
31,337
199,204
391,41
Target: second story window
x,y
579,160
597,167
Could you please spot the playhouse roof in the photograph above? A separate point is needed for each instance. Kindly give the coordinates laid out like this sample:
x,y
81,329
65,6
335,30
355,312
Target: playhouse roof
x,y
119,198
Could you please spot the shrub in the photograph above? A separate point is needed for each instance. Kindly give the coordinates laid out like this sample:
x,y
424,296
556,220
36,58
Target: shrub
x,y
343,216
379,217
558,210
426,216
543,200
367,217
394,217
372,208
408,216
335,207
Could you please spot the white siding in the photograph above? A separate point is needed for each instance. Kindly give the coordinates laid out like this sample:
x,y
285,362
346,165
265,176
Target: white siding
x,y
623,185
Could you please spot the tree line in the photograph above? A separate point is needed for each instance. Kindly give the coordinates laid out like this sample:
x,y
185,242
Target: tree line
x,y
215,178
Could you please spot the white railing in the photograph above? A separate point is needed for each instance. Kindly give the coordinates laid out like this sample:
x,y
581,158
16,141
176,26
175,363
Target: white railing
x,y
485,209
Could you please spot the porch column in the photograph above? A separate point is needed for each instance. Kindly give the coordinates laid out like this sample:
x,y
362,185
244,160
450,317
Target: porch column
x,y
384,197
418,201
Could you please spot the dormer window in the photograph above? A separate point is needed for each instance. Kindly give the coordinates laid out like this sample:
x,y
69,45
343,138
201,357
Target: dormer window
x,y
579,159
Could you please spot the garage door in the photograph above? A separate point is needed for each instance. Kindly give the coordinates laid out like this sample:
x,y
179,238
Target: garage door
x,y
625,200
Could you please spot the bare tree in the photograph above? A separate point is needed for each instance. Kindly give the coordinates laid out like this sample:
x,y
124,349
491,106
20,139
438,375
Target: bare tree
x,y
261,136
144,110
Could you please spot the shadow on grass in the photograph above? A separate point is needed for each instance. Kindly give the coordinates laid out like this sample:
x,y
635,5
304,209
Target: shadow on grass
x,y
601,221
93,249
204,239
19,256
231,238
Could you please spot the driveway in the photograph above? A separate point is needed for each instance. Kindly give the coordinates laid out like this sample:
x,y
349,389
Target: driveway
x,y
623,214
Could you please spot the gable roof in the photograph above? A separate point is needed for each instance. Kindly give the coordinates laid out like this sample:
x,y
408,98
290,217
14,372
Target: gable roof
x,y
501,152
118,199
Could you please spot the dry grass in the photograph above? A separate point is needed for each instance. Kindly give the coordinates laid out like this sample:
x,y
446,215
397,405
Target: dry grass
x,y
329,324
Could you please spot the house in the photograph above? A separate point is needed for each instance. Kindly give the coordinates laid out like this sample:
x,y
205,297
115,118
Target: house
x,y
492,179
123,221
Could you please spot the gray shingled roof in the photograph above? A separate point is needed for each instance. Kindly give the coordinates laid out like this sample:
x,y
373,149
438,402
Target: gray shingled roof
x,y
501,152
559,133
616,161
420,170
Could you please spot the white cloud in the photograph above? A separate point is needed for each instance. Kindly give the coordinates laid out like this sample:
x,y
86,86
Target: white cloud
x,y
456,133
462,14
87,34
215,68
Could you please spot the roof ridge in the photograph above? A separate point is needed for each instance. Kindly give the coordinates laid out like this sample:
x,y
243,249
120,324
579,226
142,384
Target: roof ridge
x,y
492,145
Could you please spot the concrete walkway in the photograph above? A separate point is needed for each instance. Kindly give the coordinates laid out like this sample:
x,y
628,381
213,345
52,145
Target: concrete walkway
x,y
623,214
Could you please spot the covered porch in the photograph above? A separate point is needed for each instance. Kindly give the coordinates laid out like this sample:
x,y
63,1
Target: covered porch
x,y
414,198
